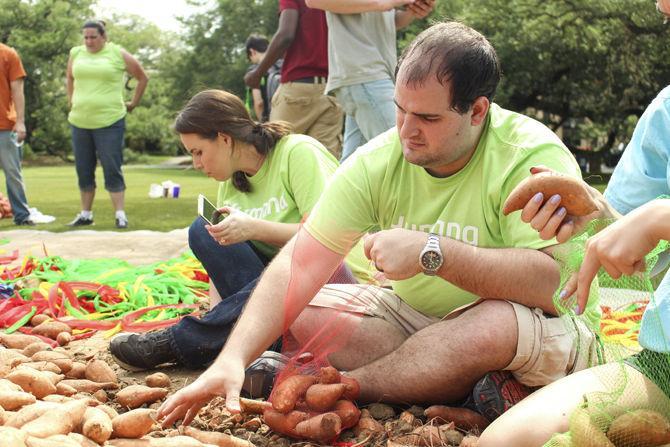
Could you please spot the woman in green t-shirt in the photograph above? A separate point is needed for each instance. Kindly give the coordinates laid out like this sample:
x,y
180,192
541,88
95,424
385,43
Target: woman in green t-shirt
x,y
270,179
95,80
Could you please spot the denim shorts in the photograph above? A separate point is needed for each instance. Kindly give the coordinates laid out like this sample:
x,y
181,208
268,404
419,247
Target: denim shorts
x,y
654,366
105,144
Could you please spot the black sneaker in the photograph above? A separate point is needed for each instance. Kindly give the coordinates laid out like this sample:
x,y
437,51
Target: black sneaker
x,y
137,352
496,393
260,375
121,223
80,220
28,222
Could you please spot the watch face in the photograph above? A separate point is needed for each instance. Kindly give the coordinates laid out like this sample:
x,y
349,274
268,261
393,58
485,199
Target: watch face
x,y
431,260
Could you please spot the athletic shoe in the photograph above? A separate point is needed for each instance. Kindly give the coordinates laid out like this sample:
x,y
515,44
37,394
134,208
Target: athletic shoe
x,y
137,352
496,393
80,220
259,377
121,223
39,218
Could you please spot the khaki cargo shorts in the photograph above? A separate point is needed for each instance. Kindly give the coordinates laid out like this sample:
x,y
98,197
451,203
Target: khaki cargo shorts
x,y
548,347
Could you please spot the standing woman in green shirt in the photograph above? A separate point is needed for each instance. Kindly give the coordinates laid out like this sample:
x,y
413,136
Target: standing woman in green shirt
x,y
95,82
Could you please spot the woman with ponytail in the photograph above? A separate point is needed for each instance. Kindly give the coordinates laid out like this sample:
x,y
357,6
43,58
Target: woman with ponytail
x,y
270,180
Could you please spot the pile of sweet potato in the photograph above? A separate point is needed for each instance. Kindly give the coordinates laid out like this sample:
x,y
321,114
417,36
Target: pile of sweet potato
x,y
49,399
316,408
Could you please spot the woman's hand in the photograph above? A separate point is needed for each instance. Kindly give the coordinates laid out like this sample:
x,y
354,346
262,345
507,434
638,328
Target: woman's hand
x,y
223,378
620,249
130,106
235,228
549,218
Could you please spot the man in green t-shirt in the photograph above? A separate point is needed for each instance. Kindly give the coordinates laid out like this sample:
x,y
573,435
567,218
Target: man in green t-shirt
x,y
471,289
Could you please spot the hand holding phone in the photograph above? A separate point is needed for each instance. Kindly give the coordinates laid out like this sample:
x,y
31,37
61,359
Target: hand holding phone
x,y
208,211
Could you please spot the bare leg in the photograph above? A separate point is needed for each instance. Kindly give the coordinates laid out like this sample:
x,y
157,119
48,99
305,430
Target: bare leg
x,y
87,199
118,200
533,421
214,296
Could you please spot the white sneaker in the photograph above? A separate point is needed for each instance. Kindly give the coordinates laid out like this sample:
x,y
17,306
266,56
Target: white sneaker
x,y
39,218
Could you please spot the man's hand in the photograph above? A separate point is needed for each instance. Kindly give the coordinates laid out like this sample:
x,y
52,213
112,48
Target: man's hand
x,y
549,218
217,380
421,8
235,228
253,78
20,129
396,252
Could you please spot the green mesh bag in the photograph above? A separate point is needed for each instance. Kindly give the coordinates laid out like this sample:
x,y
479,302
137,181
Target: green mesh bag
x,y
632,409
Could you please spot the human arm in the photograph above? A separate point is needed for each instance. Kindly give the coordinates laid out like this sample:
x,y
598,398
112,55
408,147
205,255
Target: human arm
x,y
259,105
134,68
284,290
240,227
19,101
69,82
546,215
357,6
525,276
281,41
420,9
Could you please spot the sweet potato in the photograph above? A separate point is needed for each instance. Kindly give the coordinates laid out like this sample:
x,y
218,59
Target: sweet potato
x,y
135,396
112,413
51,329
78,371
585,433
353,389
367,424
100,372
322,397
60,359
463,418
348,413
32,381
470,441
41,366
158,380
640,428
18,341
134,423
38,319
6,385
53,377
284,423
82,440
322,428
65,390
574,194
55,422
12,437
52,441
128,443
12,400
175,441
57,398
329,375
32,348
88,386
289,391
29,413
97,425
251,406
216,438
101,395
64,338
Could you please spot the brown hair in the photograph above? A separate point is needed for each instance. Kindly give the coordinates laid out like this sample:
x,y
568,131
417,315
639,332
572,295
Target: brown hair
x,y
211,112
98,25
455,53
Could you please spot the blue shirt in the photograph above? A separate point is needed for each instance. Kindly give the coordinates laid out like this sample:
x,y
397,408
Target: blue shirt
x,y
643,174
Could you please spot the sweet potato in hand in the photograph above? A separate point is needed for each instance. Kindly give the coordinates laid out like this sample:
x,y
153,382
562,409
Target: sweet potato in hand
x,y
574,194
284,423
322,428
322,397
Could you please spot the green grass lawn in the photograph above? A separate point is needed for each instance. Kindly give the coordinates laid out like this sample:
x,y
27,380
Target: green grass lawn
x,y
53,190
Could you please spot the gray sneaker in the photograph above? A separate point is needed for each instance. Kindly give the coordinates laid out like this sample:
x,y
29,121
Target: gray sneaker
x,y
260,375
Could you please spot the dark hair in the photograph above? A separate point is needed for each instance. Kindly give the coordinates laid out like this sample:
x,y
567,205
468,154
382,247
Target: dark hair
x,y
97,24
455,53
211,112
257,42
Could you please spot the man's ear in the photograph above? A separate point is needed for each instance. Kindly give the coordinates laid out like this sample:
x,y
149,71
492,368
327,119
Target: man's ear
x,y
479,110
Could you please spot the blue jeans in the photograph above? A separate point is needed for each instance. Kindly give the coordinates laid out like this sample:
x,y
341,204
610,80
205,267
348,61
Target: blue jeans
x,y
105,144
369,109
10,159
234,271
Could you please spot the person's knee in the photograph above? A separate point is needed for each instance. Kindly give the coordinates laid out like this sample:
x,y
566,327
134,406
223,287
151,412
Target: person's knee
x,y
198,236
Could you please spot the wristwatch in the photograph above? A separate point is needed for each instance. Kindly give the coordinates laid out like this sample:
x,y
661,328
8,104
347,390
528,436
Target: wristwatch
x,y
430,257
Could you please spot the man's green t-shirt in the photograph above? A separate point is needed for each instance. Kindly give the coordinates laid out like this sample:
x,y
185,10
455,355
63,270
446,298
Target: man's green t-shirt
x,y
97,98
378,189
286,188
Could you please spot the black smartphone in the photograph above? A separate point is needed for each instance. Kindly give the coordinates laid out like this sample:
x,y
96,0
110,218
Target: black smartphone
x,y
208,211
